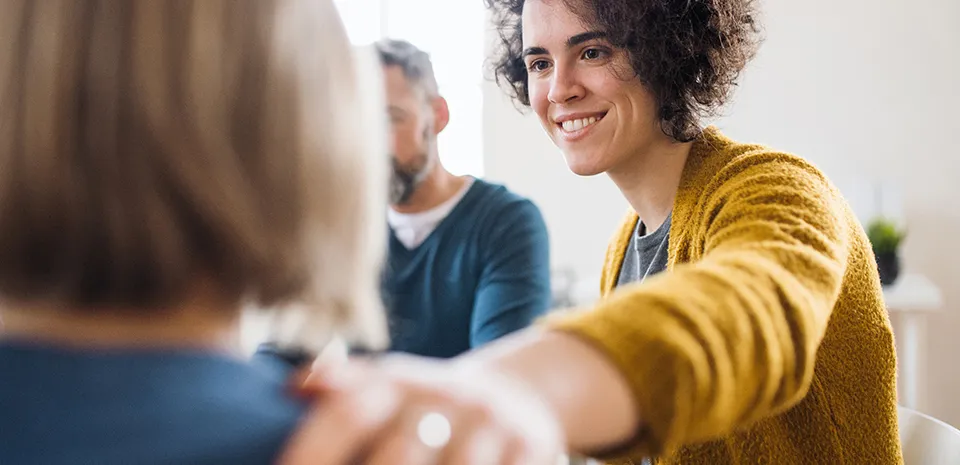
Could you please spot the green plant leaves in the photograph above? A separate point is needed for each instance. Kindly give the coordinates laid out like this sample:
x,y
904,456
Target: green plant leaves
x,y
885,236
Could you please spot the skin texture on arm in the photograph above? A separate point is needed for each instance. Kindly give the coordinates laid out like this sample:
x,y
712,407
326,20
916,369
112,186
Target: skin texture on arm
x,y
514,287
591,398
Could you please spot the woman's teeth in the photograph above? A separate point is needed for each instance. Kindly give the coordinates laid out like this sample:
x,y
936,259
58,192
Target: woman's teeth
x,y
578,124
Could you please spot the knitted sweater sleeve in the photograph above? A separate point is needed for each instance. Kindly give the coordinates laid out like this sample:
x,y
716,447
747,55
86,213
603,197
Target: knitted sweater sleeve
x,y
731,337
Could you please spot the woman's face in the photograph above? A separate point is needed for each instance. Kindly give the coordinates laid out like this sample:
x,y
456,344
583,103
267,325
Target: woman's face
x,y
585,92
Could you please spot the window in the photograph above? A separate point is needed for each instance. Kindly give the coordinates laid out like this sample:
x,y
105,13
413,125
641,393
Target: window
x,y
452,32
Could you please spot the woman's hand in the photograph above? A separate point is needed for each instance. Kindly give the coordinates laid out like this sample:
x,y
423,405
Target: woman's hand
x,y
401,410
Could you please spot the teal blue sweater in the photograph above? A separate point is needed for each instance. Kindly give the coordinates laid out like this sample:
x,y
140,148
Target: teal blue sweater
x,y
62,406
484,272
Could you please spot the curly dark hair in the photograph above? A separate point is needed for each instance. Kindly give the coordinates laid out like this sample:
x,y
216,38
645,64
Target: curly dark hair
x,y
688,53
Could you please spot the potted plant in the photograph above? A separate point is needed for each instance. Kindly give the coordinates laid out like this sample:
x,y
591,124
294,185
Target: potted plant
x,y
885,237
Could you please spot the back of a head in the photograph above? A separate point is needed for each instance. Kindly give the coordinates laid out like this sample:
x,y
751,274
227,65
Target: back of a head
x,y
146,146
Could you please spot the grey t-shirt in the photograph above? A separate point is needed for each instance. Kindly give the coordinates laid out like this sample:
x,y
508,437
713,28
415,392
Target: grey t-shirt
x,y
646,254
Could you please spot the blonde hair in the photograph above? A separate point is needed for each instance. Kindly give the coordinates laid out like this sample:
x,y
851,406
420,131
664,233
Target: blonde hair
x,y
146,145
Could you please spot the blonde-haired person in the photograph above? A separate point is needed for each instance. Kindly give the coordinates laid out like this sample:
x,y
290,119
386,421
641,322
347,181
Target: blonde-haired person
x,y
162,166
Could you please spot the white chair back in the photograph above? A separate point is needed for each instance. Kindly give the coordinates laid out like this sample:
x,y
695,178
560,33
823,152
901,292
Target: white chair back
x,y
926,440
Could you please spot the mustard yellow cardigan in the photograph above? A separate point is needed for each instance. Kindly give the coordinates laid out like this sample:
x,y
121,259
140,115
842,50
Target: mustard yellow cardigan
x,y
766,341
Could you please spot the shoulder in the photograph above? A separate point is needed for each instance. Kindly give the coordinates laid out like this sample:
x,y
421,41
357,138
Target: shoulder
x,y
172,406
722,168
731,187
497,204
502,220
254,426
251,421
733,181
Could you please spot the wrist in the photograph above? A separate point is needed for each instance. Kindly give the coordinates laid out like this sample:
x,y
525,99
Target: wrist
x,y
573,378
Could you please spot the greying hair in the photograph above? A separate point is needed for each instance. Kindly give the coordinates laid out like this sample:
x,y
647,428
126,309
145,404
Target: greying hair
x,y
415,63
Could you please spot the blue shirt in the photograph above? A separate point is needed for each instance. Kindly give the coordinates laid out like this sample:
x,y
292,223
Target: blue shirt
x,y
141,407
482,273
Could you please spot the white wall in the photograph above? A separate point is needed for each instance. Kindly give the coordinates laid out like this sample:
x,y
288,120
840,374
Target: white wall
x,y
867,89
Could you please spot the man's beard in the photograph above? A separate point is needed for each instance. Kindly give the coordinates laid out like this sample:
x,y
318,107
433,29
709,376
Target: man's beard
x,y
404,180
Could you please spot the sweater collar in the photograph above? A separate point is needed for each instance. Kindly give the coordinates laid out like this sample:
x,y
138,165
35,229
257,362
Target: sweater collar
x,y
709,154
704,161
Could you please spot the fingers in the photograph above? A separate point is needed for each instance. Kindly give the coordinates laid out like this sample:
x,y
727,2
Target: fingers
x,y
328,377
334,354
336,431
479,446
480,441
371,413
487,445
423,438
476,439
296,382
518,452
400,445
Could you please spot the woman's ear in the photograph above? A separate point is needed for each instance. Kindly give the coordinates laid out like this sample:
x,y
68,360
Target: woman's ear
x,y
441,114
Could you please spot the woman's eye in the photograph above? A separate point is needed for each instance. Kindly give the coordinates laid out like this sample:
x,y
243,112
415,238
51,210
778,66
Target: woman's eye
x,y
592,54
538,65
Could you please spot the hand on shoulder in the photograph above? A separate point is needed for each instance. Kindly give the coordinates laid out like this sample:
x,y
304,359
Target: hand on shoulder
x,y
402,410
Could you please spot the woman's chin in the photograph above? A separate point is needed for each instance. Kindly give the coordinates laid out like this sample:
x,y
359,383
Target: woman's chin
x,y
584,166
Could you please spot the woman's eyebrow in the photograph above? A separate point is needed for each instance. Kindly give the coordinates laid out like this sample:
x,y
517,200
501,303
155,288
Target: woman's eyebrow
x,y
573,41
584,37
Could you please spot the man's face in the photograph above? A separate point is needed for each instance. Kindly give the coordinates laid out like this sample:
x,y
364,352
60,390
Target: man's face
x,y
414,137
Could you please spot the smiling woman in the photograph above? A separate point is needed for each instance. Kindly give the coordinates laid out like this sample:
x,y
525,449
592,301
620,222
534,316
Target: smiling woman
x,y
580,86
688,57
726,253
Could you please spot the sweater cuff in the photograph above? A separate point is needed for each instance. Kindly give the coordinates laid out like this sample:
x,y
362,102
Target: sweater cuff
x,y
647,364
